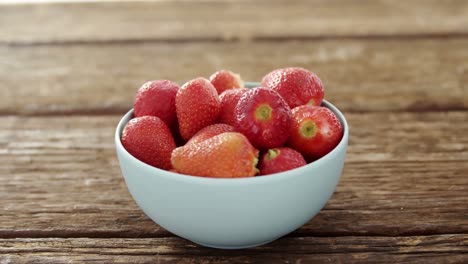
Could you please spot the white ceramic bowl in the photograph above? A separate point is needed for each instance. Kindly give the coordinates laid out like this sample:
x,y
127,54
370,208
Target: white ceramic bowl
x,y
233,213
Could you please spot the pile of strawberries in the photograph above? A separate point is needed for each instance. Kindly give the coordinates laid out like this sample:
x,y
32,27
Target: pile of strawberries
x,y
218,128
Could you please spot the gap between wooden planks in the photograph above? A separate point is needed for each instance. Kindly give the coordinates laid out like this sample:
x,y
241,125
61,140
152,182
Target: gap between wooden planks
x,y
108,21
404,177
359,75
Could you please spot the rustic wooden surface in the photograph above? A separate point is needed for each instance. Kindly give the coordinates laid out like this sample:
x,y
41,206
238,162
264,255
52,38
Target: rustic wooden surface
x,y
399,71
360,75
180,20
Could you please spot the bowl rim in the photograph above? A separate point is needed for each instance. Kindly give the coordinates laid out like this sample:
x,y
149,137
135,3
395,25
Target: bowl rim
x,y
242,180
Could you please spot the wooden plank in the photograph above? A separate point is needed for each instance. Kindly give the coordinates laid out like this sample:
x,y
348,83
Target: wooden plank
x,y
417,249
377,75
221,20
285,258
406,174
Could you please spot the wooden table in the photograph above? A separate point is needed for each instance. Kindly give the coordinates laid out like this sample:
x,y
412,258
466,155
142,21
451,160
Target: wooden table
x,y
398,70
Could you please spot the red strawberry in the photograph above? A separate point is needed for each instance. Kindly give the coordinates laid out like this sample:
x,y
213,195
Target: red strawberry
x,y
297,86
227,155
263,117
315,131
224,80
280,159
157,98
229,100
197,106
209,132
149,139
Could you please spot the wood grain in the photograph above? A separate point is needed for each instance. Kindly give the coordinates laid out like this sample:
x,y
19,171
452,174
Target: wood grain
x,y
399,71
98,21
422,258
416,249
378,75
406,174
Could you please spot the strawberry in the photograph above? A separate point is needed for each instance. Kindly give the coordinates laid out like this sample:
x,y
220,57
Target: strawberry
x,y
157,98
225,80
197,106
229,100
227,155
149,139
297,86
315,131
280,159
210,131
263,117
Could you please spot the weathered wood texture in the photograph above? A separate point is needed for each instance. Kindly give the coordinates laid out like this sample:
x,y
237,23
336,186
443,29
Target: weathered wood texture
x,y
399,70
378,75
219,19
406,174
421,258
415,249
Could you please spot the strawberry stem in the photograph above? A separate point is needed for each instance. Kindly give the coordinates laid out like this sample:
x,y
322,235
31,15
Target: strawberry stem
x,y
263,112
308,129
272,153
255,162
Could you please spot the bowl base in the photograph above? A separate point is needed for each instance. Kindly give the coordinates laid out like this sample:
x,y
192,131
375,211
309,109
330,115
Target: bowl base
x,y
234,247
